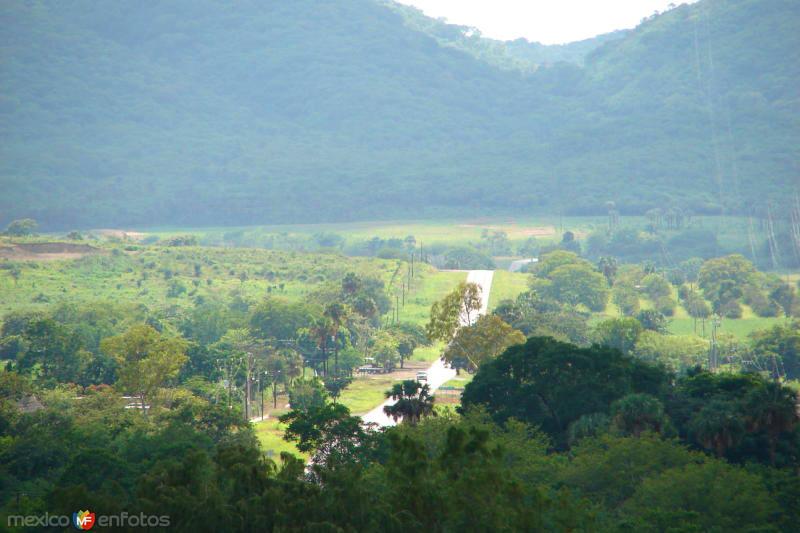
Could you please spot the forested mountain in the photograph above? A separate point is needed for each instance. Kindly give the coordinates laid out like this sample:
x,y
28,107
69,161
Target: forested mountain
x,y
206,112
519,54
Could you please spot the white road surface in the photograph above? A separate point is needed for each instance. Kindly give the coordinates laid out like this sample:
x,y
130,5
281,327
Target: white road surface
x,y
438,374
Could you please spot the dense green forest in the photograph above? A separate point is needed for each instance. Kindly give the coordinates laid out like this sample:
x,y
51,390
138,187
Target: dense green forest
x,y
205,112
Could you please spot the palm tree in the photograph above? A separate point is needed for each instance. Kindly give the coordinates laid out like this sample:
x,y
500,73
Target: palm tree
x,y
771,408
718,427
413,401
336,314
635,413
320,332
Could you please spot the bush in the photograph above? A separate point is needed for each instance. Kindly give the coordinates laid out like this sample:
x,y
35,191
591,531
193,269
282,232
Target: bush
x,y
758,301
730,309
665,305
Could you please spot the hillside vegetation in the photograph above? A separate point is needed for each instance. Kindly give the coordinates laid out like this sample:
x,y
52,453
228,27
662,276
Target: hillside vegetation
x,y
205,113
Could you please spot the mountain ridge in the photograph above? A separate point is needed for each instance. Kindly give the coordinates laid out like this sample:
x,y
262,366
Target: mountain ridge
x,y
202,113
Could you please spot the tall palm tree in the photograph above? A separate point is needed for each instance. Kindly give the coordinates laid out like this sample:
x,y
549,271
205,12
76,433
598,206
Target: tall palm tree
x,y
718,427
413,402
321,332
336,313
771,408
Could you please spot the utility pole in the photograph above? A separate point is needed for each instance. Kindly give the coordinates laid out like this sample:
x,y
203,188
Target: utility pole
x,y
261,390
247,385
713,351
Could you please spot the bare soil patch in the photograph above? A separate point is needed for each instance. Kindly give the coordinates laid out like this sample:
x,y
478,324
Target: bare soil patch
x,y
515,230
47,251
125,235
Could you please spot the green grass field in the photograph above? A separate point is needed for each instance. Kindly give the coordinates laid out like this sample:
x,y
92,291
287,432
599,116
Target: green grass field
x,y
270,435
430,285
507,286
739,328
366,393
460,381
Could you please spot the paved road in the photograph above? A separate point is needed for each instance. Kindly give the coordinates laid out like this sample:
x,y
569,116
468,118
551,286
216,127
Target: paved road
x,y
438,374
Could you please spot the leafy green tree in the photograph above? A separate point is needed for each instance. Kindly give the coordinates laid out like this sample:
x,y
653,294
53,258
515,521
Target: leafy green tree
x,y
280,319
460,305
534,315
656,287
329,431
676,352
207,323
305,394
576,284
552,384
467,258
51,350
723,278
22,227
691,269
626,299
335,385
781,341
652,320
786,297
555,259
619,333
695,306
610,468
385,350
636,413
413,401
480,342
712,496
147,360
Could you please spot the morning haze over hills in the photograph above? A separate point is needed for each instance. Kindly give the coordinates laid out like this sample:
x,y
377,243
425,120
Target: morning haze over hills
x,y
208,113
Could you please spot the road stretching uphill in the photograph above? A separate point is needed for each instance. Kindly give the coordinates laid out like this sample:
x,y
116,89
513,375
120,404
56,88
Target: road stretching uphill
x,y
438,373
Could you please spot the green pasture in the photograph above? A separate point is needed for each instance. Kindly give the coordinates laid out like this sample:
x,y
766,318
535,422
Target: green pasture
x,y
507,286
427,286
270,435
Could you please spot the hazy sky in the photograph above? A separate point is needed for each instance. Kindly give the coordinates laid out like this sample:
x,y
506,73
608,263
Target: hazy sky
x,y
546,21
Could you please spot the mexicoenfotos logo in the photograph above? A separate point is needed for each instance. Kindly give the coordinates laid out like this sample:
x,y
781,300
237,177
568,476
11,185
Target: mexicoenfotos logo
x,y
86,520
83,520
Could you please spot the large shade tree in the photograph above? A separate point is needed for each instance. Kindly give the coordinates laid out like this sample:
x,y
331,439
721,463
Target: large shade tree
x,y
146,358
552,384
486,339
